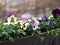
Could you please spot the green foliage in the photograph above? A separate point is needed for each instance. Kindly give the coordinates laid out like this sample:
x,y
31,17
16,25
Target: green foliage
x,y
14,31
58,21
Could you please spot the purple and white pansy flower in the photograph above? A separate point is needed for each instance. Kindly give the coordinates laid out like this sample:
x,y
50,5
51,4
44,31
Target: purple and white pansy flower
x,y
35,25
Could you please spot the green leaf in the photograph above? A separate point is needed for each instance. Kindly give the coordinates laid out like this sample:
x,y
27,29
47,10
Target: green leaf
x,y
32,21
58,21
11,39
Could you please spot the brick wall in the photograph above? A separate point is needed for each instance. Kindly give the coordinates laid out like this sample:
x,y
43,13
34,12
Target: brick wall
x,y
19,7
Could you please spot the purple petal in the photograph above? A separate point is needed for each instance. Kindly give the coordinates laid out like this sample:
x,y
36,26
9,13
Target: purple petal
x,y
36,23
54,24
33,25
10,15
26,16
23,19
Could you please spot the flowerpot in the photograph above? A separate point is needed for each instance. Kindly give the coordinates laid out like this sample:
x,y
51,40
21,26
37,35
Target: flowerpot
x,y
56,40
34,40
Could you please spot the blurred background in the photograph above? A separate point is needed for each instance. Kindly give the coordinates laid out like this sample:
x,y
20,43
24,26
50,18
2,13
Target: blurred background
x,y
37,8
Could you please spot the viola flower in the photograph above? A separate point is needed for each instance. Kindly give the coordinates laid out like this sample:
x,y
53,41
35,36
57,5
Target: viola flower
x,y
24,25
26,16
12,19
44,18
56,13
35,25
54,24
